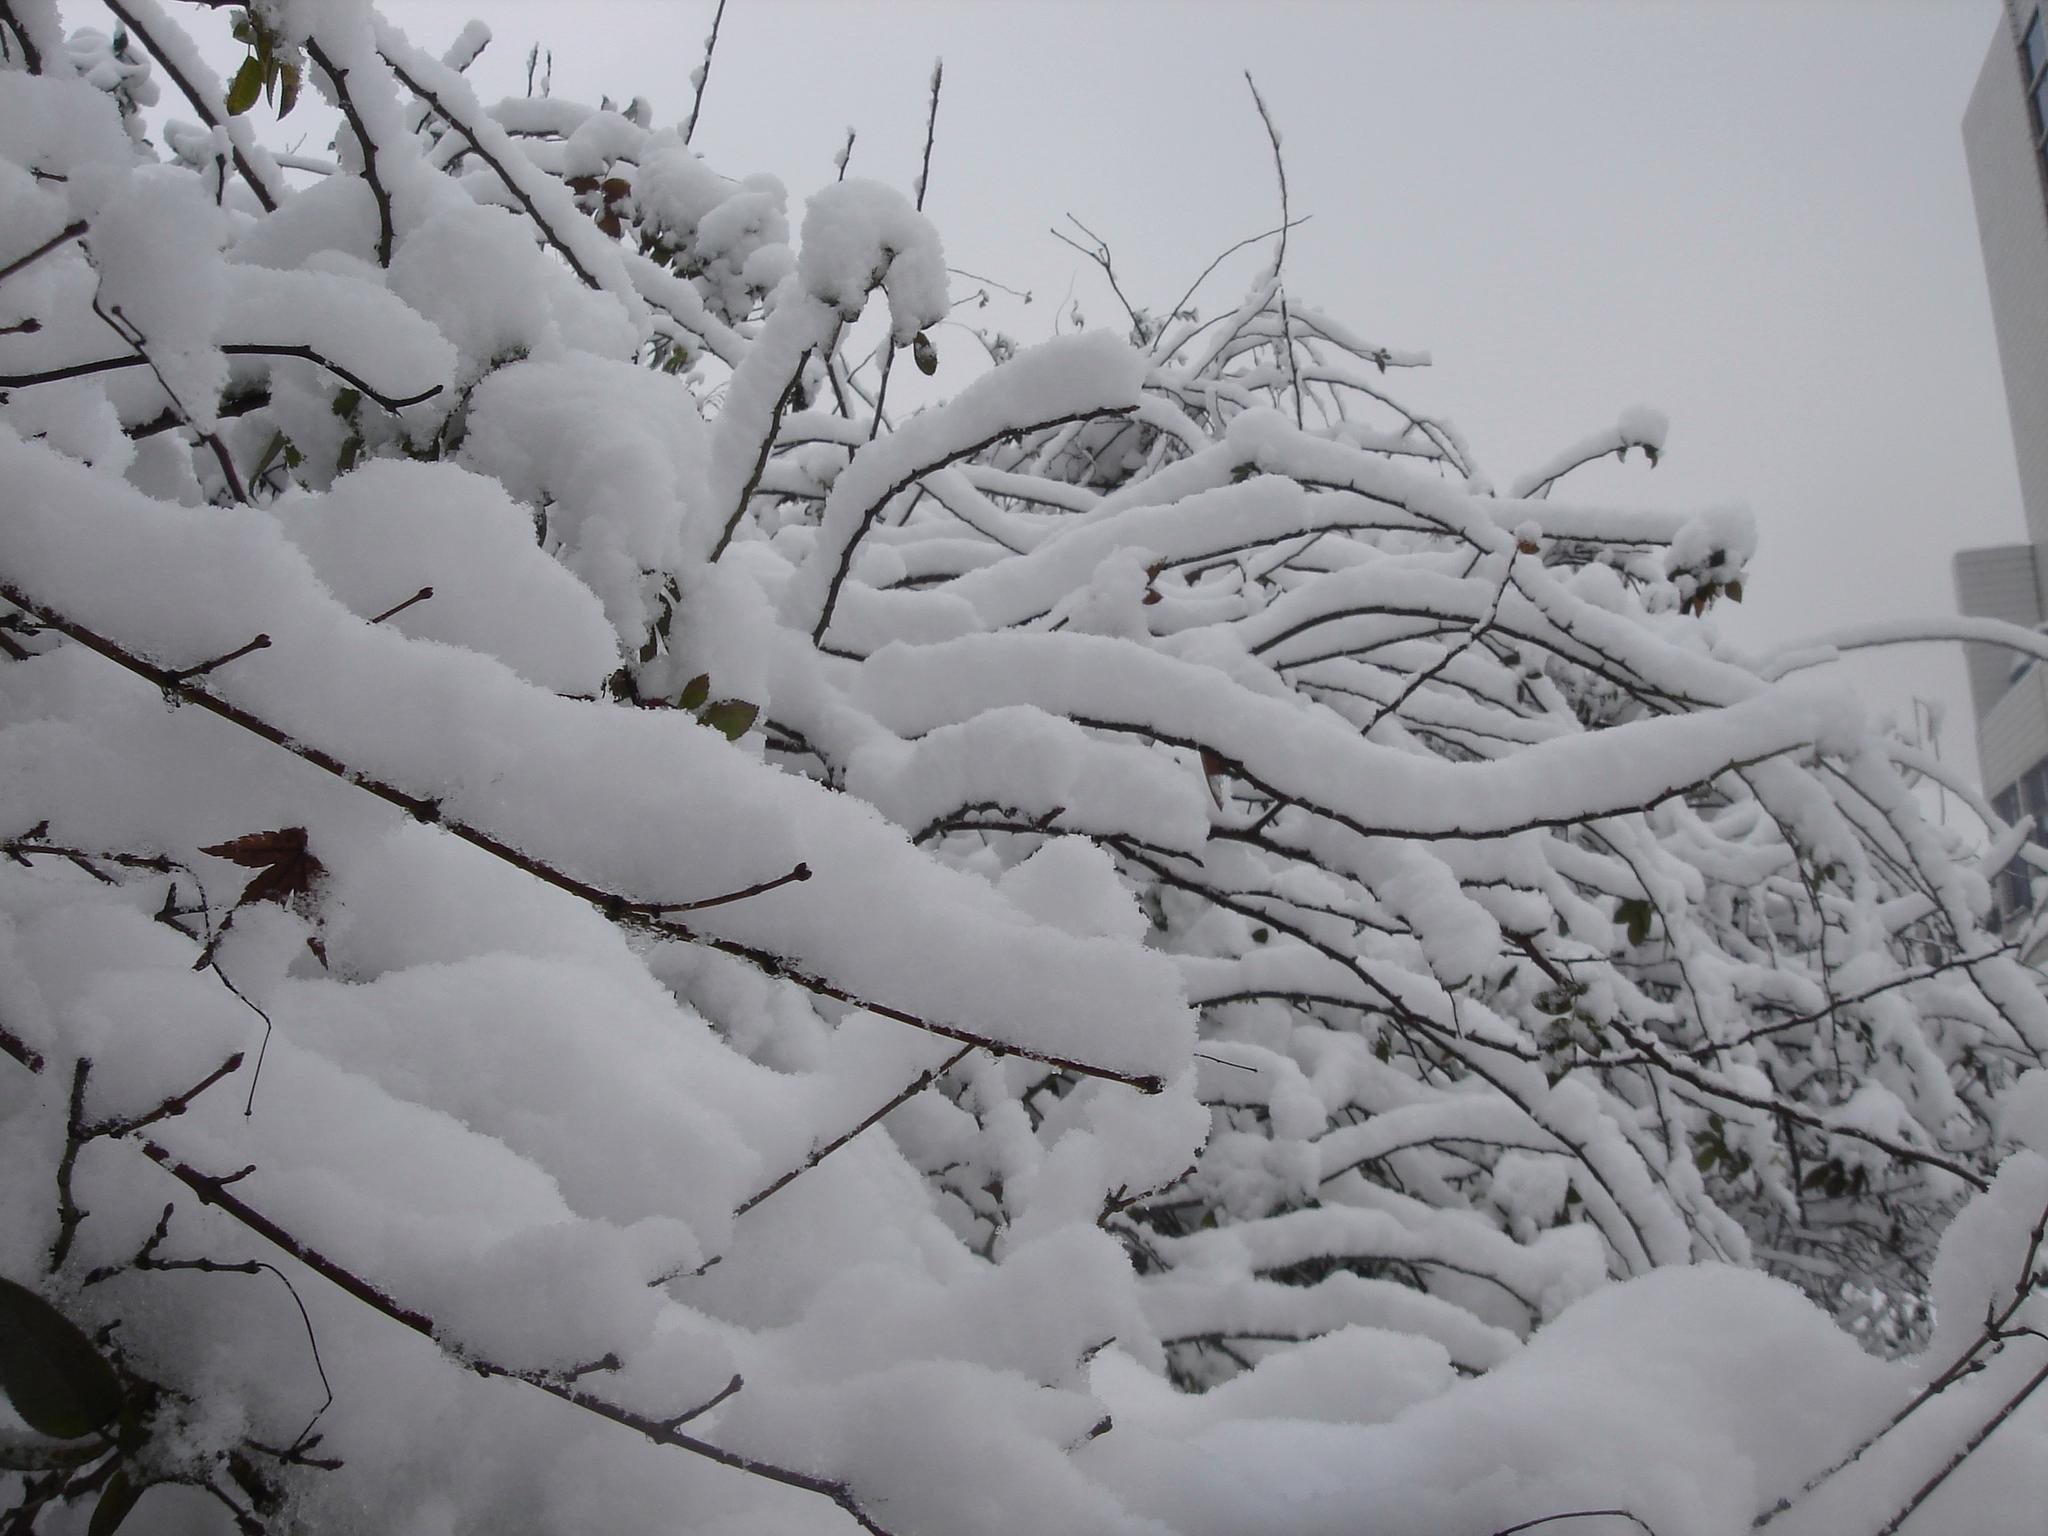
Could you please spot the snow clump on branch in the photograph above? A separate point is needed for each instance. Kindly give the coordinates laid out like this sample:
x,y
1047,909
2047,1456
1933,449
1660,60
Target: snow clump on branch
x,y
596,923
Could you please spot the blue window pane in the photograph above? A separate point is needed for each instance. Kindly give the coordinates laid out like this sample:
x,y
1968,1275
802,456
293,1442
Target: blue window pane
x,y
2035,46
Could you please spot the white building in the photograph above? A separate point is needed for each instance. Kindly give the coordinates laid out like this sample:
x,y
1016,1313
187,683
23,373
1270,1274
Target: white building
x,y
2005,138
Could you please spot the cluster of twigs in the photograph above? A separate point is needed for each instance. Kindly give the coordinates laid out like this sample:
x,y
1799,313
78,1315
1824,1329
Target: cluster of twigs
x,y
1662,1027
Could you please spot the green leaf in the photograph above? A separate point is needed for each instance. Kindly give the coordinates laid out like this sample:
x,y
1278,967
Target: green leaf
x,y
346,401
1260,935
49,1371
278,444
695,692
288,90
733,717
1636,914
246,87
116,1500
924,354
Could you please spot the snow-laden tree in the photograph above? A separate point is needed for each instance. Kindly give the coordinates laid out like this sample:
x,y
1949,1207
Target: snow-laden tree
x,y
602,930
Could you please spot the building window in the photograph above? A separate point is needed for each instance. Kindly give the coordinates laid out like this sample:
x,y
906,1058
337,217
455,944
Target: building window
x,y
2034,61
2010,887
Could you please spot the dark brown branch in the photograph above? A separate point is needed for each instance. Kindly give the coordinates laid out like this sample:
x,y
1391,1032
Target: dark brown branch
x,y
931,127
260,643
63,237
1578,1514
30,54
1280,258
121,326
1101,257
391,403
1222,256
397,608
68,1214
13,1045
190,89
704,72
923,176
910,1091
766,449
526,203
173,1106
795,877
214,1192
625,913
339,78
362,386
1421,679
77,1132
708,1404
167,420
1965,1364
917,473
1963,1452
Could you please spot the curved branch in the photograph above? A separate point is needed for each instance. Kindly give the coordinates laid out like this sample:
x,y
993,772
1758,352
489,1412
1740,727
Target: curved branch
x,y
643,917
204,96
215,1192
874,504
339,78
392,403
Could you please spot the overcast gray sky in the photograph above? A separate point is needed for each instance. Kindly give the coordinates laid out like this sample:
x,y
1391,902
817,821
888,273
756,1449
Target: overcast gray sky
x,y
1754,217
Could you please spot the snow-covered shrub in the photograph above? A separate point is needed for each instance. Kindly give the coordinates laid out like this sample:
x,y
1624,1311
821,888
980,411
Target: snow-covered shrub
x,y
598,934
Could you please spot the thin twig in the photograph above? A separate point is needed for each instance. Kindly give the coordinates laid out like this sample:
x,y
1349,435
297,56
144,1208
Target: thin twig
x,y
910,1091
1965,1451
845,560
704,73
931,128
63,236
397,608
215,1192
171,1107
795,877
121,326
1577,1514
338,77
362,386
499,169
68,1214
30,54
709,1403
1224,255
190,90
620,910
1280,258
1451,653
